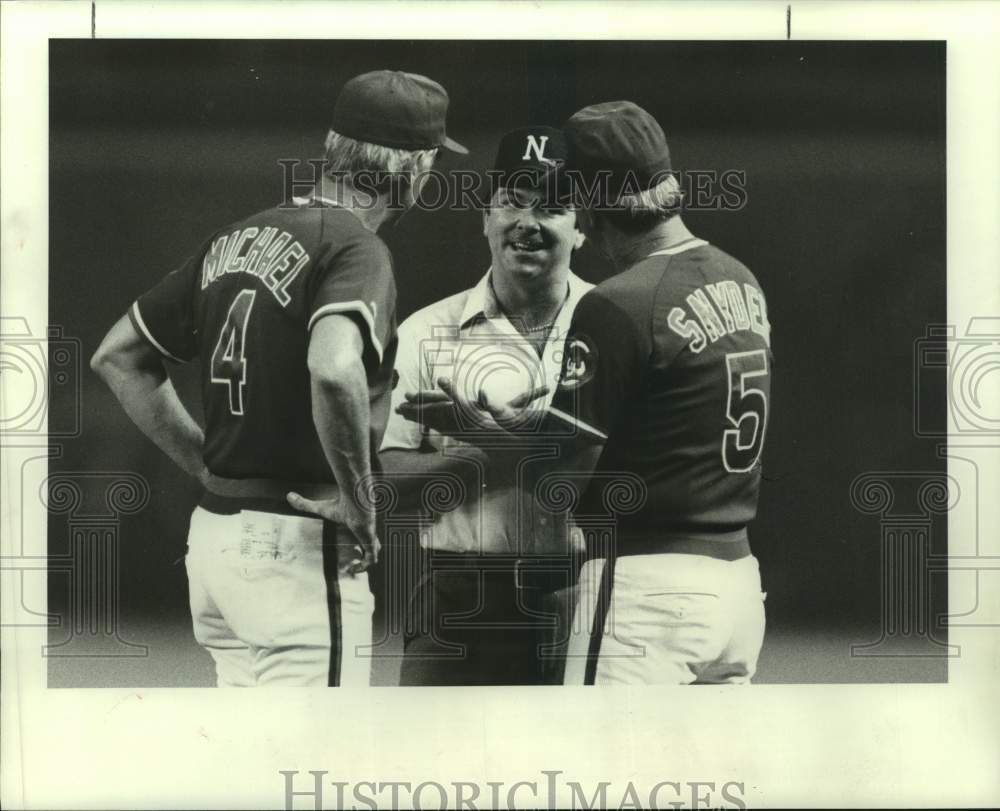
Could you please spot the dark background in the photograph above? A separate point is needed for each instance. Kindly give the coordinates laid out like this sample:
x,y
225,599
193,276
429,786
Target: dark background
x,y
155,144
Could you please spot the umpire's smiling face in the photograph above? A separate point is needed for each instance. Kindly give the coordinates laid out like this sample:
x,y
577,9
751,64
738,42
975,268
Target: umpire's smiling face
x,y
526,239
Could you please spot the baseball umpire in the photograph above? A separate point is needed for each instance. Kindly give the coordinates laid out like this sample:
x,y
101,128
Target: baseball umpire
x,y
666,386
493,602
292,315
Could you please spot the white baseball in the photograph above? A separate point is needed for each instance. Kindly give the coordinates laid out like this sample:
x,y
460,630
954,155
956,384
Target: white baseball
x,y
503,385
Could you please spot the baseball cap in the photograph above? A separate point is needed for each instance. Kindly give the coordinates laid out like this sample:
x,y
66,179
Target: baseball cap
x,y
394,109
527,154
622,142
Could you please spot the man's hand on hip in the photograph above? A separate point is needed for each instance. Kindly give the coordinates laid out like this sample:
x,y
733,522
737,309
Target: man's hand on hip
x,y
360,521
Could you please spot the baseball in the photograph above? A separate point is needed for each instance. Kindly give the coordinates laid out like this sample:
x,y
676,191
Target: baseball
x,y
503,385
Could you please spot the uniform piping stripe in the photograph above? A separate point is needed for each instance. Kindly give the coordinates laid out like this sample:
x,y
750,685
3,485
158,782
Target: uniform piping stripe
x,y
600,617
328,201
577,422
350,307
356,604
304,201
680,247
330,574
137,316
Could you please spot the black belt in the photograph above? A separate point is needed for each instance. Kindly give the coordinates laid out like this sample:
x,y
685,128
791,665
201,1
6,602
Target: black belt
x,y
268,488
731,545
541,573
229,496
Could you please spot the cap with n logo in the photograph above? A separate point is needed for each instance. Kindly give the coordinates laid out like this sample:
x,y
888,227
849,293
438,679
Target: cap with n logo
x,y
526,156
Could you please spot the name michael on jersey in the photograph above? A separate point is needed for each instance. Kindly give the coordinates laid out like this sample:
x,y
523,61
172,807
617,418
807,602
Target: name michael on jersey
x,y
273,256
720,309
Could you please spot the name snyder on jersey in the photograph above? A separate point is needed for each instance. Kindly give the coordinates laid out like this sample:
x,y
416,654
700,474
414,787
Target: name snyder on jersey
x,y
269,257
736,307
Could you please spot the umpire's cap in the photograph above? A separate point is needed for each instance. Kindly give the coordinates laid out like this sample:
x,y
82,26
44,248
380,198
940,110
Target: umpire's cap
x,y
526,157
619,144
394,109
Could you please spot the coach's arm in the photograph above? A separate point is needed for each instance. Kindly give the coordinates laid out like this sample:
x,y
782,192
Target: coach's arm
x,y
342,416
136,375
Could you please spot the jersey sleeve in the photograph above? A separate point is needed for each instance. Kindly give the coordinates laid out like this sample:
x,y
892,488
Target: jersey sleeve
x,y
164,315
357,280
402,434
603,363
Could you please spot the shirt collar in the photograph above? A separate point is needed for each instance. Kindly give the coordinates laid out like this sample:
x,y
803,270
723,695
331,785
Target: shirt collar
x,y
476,301
481,301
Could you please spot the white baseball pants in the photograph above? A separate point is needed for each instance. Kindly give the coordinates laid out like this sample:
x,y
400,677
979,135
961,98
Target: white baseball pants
x,y
666,619
270,604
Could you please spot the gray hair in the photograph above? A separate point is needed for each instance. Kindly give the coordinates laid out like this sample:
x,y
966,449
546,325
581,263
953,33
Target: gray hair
x,y
346,157
640,211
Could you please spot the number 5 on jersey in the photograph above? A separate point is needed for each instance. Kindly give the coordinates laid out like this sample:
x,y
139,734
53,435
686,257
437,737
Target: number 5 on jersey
x,y
229,360
746,411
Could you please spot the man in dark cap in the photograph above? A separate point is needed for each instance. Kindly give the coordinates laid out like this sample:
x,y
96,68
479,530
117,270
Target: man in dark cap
x,y
667,377
663,404
491,605
292,314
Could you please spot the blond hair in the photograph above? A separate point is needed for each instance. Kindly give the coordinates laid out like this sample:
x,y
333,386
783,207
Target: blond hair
x,y
346,157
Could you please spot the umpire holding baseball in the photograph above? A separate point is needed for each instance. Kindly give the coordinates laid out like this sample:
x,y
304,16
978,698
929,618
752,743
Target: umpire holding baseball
x,y
493,600
291,313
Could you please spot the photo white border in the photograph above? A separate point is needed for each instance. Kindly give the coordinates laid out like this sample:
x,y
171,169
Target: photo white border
x,y
791,746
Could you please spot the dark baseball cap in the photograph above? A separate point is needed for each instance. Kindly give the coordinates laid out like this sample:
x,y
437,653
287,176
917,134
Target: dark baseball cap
x,y
526,155
622,142
394,109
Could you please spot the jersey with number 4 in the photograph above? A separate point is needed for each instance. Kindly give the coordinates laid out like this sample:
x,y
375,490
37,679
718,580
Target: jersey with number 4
x,y
669,364
245,305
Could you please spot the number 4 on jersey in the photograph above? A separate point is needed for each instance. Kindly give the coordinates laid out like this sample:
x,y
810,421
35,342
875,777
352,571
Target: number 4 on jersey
x,y
746,411
229,360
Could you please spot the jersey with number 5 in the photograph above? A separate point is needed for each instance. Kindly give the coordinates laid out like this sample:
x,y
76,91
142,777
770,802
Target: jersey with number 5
x,y
245,305
669,364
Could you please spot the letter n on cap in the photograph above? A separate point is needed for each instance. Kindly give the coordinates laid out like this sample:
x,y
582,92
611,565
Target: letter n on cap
x,y
535,145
